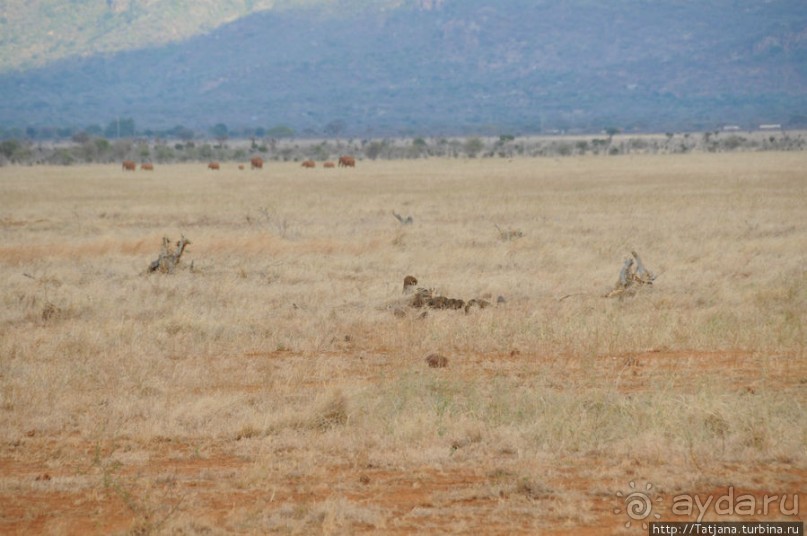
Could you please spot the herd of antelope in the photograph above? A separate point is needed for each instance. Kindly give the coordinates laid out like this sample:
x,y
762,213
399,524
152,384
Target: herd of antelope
x,y
130,165
255,163
344,161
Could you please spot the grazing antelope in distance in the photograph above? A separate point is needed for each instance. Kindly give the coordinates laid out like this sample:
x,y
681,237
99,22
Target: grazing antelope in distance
x,y
214,166
347,161
256,163
329,165
147,166
129,165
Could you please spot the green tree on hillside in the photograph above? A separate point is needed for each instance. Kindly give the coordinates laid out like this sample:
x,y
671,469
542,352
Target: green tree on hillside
x,y
374,149
280,131
181,132
335,127
473,146
220,132
120,128
9,148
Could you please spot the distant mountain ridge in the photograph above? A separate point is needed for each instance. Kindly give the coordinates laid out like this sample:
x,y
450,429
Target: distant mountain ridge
x,y
447,66
39,32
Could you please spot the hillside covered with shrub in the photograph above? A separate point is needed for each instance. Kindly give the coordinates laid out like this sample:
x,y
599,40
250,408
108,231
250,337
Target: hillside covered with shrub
x,y
431,67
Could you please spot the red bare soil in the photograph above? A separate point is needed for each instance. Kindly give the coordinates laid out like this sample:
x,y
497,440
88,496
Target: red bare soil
x,y
69,485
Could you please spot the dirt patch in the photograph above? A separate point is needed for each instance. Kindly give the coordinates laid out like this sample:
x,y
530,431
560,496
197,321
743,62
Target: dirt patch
x,y
54,484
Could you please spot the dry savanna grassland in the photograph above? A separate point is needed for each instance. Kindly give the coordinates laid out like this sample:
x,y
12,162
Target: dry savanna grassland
x,y
276,381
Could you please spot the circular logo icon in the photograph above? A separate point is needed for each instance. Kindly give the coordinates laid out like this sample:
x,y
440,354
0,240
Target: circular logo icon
x,y
637,504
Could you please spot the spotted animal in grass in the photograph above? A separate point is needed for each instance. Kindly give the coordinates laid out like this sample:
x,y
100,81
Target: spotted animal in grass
x,y
428,298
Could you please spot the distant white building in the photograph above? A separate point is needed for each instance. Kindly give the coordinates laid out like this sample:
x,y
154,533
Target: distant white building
x,y
731,128
772,126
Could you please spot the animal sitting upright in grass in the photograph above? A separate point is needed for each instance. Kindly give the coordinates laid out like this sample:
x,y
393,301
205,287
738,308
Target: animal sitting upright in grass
x,y
409,284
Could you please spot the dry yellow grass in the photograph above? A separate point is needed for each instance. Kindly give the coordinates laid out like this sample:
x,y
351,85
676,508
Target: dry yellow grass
x,y
271,387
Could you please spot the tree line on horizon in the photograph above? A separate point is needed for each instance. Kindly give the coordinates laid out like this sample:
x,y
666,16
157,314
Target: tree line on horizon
x,y
84,148
125,127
